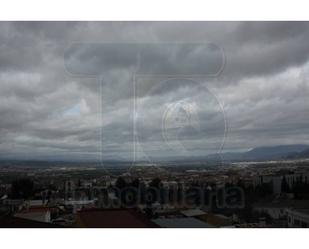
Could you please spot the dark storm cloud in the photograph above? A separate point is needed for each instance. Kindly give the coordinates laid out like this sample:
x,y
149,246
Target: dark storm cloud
x,y
50,97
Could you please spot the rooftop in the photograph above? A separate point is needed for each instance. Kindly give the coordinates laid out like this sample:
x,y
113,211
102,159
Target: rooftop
x,y
192,212
36,209
16,222
181,223
112,218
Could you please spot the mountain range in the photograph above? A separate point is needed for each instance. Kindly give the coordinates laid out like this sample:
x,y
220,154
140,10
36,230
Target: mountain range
x,y
265,153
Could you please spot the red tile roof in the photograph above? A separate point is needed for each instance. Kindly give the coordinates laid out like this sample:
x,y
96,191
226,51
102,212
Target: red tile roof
x,y
35,210
113,218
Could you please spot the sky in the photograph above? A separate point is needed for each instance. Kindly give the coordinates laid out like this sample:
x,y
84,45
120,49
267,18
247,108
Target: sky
x,y
151,90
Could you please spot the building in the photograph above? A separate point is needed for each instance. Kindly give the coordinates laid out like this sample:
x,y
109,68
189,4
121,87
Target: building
x,y
274,210
16,222
77,205
276,180
278,209
41,214
181,222
298,217
216,220
192,212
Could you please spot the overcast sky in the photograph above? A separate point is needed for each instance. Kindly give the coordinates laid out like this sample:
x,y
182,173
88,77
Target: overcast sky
x,y
69,90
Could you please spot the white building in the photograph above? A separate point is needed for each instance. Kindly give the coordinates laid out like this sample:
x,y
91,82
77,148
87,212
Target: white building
x,y
41,214
298,217
276,180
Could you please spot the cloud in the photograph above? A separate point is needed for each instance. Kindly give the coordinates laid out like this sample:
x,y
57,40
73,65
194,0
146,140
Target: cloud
x,y
50,97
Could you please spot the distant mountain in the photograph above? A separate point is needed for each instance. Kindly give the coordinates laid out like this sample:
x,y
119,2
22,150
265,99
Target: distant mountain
x,y
275,152
268,153
299,155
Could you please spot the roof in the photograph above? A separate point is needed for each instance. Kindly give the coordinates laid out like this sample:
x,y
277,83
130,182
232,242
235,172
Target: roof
x,y
35,210
283,204
192,212
16,222
217,220
36,203
299,211
79,202
181,223
113,218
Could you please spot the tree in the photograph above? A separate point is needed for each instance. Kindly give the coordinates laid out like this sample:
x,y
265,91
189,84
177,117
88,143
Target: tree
x,y
22,188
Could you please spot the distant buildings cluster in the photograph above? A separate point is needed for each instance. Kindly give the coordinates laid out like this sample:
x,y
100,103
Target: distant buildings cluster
x,y
275,195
